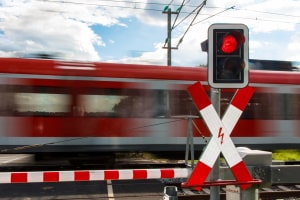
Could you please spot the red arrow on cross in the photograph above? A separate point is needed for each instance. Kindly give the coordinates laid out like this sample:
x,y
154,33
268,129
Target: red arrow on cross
x,y
220,130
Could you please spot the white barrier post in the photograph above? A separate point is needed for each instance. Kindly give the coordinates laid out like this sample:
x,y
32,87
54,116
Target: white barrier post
x,y
170,193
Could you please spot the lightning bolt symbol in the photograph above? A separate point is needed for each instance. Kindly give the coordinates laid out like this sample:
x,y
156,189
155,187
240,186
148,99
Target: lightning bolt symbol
x,y
221,134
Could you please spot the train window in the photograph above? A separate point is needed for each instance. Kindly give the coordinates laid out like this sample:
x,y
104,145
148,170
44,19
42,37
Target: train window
x,y
100,105
273,106
267,106
181,104
137,103
34,101
292,106
123,102
41,104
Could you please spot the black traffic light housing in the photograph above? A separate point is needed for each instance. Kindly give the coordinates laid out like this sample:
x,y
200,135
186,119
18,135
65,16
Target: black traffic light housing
x,y
228,55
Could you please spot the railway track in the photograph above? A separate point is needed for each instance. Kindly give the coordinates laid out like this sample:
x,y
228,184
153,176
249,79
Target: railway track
x,y
276,192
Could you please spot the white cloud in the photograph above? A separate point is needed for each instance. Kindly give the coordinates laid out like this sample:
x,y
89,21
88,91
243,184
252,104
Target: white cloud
x,y
41,33
294,45
7,54
189,52
256,44
157,57
35,26
294,48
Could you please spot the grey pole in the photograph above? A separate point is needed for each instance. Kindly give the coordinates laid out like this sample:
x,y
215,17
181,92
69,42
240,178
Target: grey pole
x,y
215,173
169,38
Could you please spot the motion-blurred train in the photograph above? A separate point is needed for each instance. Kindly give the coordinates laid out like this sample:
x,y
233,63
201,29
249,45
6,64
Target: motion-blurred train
x,y
59,106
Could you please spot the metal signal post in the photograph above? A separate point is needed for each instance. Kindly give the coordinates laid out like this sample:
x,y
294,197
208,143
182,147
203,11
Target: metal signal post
x,y
215,97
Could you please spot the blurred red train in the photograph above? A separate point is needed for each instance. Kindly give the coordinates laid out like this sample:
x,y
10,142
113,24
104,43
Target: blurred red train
x,y
59,106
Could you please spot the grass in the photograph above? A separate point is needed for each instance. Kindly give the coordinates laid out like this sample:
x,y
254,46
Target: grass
x,y
286,155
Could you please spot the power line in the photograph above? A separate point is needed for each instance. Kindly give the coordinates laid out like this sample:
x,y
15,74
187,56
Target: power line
x,y
263,19
250,10
213,15
117,1
170,3
159,10
133,3
188,28
122,1
194,11
106,5
170,28
249,18
270,13
179,10
256,18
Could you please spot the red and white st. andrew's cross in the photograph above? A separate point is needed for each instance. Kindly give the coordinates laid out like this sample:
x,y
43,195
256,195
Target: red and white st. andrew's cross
x,y
220,141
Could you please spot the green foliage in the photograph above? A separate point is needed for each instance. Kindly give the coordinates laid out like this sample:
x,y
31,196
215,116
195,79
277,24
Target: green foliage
x,y
286,155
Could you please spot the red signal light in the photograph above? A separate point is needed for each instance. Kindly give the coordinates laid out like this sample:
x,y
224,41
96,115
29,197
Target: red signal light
x,y
229,44
232,41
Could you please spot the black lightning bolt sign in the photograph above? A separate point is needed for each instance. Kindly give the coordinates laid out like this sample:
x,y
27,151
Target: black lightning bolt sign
x,y
221,134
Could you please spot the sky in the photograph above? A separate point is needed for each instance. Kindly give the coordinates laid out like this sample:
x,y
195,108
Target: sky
x,y
134,31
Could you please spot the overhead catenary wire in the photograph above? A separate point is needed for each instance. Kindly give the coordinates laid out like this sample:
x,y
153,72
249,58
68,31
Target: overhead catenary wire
x,y
192,12
163,4
119,1
197,11
103,5
170,3
213,15
134,5
188,28
267,12
179,11
96,4
186,5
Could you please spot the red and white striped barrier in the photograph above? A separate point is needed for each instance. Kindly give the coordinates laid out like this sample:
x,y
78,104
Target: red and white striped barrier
x,y
92,175
220,141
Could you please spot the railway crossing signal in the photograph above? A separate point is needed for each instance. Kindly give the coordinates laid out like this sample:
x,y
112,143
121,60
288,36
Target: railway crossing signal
x,y
220,141
228,46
